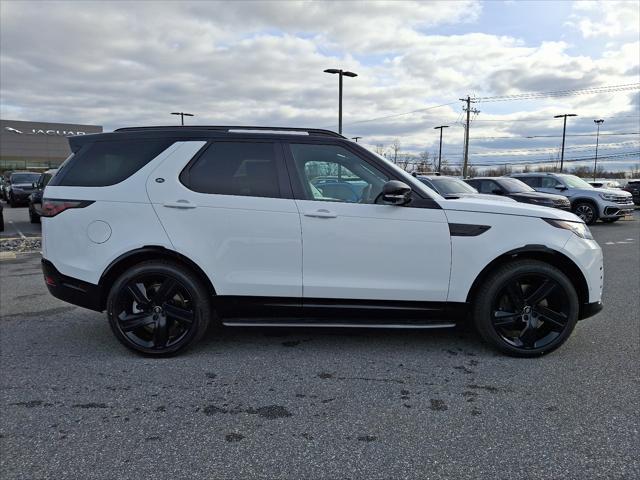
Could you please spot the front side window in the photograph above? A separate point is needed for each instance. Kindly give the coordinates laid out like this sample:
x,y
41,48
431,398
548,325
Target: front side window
x,y
236,168
333,174
533,182
549,182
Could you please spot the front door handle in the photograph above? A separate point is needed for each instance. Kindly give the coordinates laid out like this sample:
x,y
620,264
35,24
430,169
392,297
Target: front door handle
x,y
180,204
321,213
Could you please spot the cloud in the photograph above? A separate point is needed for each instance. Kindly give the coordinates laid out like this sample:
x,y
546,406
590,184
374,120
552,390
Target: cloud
x,y
261,63
608,18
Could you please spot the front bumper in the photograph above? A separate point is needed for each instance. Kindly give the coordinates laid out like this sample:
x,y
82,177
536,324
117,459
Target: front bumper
x,y
72,290
615,210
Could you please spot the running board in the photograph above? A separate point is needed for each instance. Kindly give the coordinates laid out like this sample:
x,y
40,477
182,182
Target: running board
x,y
340,325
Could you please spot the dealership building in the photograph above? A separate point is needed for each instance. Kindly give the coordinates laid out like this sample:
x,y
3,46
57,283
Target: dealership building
x,y
37,146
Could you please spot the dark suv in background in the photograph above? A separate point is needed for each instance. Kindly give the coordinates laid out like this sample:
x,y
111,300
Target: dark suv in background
x,y
633,187
519,191
20,186
35,199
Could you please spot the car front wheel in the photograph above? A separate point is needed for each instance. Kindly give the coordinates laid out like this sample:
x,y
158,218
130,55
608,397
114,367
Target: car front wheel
x,y
586,211
526,308
158,308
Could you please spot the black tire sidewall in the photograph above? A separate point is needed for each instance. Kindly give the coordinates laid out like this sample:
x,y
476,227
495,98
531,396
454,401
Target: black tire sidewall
x,y
496,282
190,281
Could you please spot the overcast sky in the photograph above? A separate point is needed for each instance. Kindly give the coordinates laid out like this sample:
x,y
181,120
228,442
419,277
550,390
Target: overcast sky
x,y
261,63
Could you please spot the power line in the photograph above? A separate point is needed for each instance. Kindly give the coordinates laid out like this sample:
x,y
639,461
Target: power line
x,y
561,93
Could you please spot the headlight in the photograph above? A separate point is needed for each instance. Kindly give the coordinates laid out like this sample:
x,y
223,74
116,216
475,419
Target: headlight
x,y
608,196
579,228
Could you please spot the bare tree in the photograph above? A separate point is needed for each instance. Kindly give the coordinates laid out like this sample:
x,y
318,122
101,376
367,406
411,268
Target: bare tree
x,y
380,149
395,149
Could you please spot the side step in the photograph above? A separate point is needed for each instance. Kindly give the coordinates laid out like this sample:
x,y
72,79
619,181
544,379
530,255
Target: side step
x,y
307,324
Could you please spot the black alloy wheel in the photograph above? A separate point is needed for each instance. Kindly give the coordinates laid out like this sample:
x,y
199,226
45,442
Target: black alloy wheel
x,y
587,212
528,308
158,308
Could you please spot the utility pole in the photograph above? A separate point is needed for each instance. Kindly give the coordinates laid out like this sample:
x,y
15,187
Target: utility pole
x,y
466,134
182,115
564,131
440,150
595,163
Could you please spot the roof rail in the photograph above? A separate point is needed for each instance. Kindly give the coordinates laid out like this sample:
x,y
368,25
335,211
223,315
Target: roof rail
x,y
239,129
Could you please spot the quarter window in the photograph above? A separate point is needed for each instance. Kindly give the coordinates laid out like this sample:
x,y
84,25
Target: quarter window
x,y
333,174
236,168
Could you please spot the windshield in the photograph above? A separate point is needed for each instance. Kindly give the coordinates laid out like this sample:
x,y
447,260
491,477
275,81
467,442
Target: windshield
x,y
447,186
575,182
24,177
513,185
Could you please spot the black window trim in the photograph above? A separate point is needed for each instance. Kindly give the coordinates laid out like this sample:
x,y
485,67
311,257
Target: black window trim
x,y
284,184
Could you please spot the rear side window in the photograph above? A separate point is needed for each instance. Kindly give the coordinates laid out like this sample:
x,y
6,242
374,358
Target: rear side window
x,y
533,182
101,164
235,168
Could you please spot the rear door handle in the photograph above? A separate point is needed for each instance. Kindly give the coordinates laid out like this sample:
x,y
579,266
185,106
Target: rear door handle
x,y
321,213
180,204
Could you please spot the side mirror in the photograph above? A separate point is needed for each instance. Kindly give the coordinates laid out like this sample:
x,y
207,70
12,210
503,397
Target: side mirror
x,y
560,187
395,192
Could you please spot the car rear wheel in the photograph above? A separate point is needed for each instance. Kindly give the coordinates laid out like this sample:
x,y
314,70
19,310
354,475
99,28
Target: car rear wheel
x,y
33,216
586,211
526,308
158,308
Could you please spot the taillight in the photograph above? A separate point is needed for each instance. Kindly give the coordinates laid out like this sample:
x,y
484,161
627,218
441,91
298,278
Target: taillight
x,y
52,207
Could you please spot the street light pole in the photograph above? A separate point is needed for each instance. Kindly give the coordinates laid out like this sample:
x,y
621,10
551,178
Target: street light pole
x,y
182,115
440,150
595,162
340,73
564,131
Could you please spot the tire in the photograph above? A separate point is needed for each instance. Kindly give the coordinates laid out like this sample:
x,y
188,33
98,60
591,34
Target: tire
x,y
610,220
34,217
519,324
587,211
158,308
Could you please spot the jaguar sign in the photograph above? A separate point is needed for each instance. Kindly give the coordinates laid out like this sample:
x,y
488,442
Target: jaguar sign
x,y
39,131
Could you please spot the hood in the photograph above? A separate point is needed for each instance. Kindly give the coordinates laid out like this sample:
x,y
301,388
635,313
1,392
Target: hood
x,y
550,196
486,196
498,207
613,191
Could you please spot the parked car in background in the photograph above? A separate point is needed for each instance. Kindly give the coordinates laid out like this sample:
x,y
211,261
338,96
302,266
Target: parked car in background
x,y
452,188
518,191
589,203
633,187
2,184
35,199
20,186
605,184
1,219
171,228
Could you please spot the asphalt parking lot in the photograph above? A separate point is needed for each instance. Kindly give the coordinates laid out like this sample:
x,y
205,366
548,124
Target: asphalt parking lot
x,y
17,224
314,404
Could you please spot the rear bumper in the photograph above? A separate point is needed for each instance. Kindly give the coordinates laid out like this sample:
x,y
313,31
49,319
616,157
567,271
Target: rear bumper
x,y
72,290
589,310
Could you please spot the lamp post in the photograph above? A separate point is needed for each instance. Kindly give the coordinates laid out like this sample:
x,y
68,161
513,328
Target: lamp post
x,y
440,150
564,131
595,162
340,73
182,115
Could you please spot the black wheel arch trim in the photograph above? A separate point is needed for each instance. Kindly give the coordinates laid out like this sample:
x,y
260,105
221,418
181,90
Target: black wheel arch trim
x,y
148,252
545,254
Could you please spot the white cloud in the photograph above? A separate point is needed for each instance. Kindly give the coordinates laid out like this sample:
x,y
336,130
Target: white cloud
x,y
606,18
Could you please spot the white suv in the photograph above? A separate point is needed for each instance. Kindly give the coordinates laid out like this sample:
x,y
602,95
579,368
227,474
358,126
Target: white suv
x,y
169,229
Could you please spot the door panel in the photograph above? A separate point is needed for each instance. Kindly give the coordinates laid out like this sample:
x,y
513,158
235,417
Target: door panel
x,y
355,248
247,245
